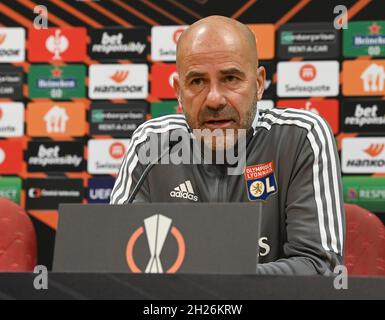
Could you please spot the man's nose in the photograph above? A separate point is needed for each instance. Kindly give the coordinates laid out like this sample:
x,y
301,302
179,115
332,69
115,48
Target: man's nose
x,y
215,98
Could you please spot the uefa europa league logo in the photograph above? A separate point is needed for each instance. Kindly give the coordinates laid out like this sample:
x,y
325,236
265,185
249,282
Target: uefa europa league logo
x,y
156,228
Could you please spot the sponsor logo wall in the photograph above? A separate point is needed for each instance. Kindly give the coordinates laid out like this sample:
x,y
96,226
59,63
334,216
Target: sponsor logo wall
x,y
56,82
55,156
50,119
12,45
119,44
117,120
310,78
118,81
363,115
66,44
309,40
72,110
106,155
11,82
11,119
363,155
47,194
327,109
367,192
99,190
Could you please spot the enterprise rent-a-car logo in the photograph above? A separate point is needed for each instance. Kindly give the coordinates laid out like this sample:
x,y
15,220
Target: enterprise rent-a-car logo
x,y
117,120
308,40
11,82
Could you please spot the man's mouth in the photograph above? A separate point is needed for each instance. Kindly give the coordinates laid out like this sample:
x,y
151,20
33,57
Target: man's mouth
x,y
219,123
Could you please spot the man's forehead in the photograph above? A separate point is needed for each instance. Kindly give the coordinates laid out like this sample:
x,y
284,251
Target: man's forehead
x,y
219,60
214,44
212,41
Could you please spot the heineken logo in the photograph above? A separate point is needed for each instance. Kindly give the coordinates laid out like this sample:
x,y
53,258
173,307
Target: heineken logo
x,y
65,82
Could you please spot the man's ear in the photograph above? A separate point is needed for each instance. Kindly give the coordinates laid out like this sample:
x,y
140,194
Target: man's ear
x,y
176,85
261,78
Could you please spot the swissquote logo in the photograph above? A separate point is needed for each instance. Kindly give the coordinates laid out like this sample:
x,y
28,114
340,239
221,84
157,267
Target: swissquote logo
x,y
156,228
164,40
11,157
308,72
117,150
12,44
363,155
117,81
2,156
162,80
177,33
11,119
184,191
105,156
310,78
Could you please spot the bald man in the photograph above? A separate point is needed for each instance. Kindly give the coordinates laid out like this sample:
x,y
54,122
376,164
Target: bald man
x,y
291,159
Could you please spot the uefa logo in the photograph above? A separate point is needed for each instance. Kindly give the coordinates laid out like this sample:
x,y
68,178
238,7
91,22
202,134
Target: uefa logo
x,y
156,229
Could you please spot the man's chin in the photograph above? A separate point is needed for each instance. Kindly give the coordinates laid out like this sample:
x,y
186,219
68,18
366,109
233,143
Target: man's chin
x,y
220,125
221,139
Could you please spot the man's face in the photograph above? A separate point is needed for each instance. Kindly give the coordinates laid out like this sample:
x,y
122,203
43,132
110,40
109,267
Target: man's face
x,y
219,86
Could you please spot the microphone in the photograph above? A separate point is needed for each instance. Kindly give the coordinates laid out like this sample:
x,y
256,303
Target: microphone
x,y
147,171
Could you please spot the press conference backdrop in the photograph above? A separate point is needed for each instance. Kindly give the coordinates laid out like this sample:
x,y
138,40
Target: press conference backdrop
x,y
71,95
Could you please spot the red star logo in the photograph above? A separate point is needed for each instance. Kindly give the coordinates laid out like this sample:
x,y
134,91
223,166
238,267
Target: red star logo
x,y
374,28
56,72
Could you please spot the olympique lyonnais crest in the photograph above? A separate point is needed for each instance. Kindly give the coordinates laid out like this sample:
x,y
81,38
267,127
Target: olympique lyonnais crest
x,y
260,181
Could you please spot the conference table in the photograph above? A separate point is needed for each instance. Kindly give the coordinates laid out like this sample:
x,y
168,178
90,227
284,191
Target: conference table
x,y
186,287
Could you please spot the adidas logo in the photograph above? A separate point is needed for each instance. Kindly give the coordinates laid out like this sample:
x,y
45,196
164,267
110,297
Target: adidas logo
x,y
184,191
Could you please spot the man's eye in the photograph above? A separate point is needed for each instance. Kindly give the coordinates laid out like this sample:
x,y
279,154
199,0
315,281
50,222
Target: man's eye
x,y
231,79
197,82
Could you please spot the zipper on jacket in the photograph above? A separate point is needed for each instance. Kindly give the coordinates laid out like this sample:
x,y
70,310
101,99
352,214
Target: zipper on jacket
x,y
222,189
